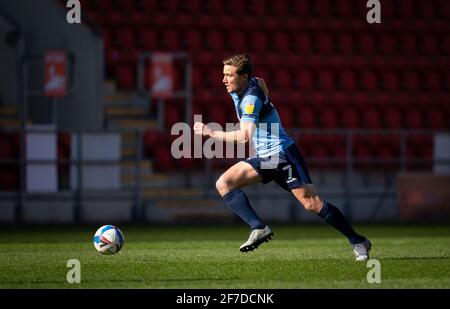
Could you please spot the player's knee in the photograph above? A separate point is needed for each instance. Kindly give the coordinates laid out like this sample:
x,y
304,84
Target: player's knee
x,y
223,185
313,204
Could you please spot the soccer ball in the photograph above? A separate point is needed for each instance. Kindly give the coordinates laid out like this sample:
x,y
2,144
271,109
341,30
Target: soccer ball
x,y
108,239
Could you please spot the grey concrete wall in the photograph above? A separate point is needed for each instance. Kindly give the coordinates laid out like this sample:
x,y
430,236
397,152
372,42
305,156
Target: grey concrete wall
x,y
44,27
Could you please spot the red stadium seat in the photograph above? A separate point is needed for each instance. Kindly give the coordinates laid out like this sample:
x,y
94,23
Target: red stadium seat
x,y
236,7
126,5
163,159
126,38
214,7
126,77
346,43
411,81
286,116
281,42
344,10
305,80
150,7
193,40
171,40
414,119
350,117
370,81
407,10
348,80
282,79
148,39
409,43
217,113
324,43
307,117
323,8
259,8
172,114
366,44
237,41
428,44
391,81
302,42
328,117
258,42
105,5
433,82
326,80
194,7
388,44
301,8
280,9
215,40
393,118
436,119
371,118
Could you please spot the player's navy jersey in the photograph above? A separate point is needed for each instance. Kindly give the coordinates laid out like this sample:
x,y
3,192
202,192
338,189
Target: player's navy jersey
x,y
253,106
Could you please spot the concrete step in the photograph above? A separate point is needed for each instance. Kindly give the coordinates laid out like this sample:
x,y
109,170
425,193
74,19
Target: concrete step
x,y
8,112
133,123
172,192
125,112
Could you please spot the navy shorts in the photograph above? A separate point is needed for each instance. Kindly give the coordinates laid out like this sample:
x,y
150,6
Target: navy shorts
x,y
288,170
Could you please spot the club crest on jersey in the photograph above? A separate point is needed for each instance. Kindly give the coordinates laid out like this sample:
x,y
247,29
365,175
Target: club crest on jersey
x,y
249,107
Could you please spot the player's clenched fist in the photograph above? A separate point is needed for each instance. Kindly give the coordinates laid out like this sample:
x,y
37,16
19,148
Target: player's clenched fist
x,y
201,129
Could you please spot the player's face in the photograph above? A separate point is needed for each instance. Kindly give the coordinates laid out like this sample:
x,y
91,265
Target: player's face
x,y
232,80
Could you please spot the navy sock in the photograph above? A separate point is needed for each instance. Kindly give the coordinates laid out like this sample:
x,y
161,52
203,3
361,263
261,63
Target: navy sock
x,y
333,216
240,205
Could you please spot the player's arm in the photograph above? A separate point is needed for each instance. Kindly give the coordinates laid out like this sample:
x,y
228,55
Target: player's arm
x,y
244,135
263,85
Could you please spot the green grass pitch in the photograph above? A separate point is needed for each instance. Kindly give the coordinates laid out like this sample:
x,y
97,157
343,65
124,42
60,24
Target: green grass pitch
x,y
311,256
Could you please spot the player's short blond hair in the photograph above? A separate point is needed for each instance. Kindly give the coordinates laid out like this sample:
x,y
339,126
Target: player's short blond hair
x,y
242,62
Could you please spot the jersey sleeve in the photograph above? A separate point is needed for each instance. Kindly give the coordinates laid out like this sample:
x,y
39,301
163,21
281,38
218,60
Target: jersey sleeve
x,y
250,107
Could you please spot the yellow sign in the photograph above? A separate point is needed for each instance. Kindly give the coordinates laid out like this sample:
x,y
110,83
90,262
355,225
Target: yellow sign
x,y
249,108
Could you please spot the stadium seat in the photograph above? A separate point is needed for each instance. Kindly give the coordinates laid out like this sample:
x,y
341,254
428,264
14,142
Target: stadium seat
x,y
433,81
328,117
215,40
148,39
388,44
350,117
258,42
391,81
366,44
346,44
302,43
307,117
193,40
324,43
409,44
282,79
217,113
163,159
171,40
281,42
126,77
280,9
436,119
326,80
411,81
305,80
347,80
126,38
428,44
369,81
322,8
414,119
237,41
393,118
371,118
